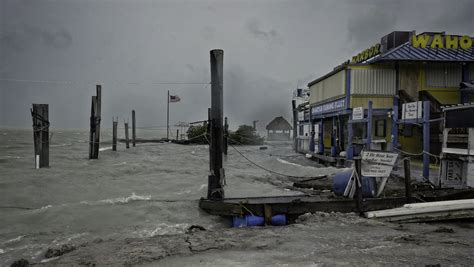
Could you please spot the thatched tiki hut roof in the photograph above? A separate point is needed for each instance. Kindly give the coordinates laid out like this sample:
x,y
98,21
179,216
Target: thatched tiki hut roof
x,y
278,129
279,124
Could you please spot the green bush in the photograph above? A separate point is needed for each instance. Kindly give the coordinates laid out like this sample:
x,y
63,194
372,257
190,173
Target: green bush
x,y
195,134
245,135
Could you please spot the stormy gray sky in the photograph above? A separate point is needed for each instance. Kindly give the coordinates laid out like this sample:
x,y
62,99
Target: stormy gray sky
x,y
131,47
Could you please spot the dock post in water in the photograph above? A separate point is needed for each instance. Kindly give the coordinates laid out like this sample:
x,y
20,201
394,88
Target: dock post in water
x,y
92,131
216,177
133,128
226,136
127,141
114,134
40,114
406,165
177,134
94,139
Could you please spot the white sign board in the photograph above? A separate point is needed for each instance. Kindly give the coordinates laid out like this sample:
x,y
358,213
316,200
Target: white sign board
x,y
358,113
412,110
377,164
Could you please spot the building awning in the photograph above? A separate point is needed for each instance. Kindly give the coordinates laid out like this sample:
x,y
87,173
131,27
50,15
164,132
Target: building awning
x,y
407,52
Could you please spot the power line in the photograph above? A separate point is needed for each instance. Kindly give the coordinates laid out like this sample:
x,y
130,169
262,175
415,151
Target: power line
x,y
100,82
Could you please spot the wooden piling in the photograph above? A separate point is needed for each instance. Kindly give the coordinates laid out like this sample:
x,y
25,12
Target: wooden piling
x,y
133,128
40,117
177,134
358,181
406,165
114,135
92,131
226,136
94,138
127,141
97,120
216,177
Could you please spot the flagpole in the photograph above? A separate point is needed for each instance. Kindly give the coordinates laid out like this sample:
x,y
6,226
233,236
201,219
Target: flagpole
x,y
168,117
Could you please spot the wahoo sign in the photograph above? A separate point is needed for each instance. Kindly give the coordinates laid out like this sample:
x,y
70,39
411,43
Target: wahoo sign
x,y
441,41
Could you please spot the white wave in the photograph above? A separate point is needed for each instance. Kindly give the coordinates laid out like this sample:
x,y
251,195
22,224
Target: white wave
x,y
183,192
289,163
2,251
18,238
202,187
61,145
105,148
123,200
121,163
10,157
163,229
45,207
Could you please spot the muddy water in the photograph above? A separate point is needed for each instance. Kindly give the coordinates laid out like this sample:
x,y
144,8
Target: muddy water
x,y
147,191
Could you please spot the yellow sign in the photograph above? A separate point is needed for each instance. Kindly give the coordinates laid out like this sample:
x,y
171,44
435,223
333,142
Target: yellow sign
x,y
441,41
366,54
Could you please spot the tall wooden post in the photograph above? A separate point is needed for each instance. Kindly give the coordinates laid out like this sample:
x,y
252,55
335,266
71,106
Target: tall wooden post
x,y
133,128
226,136
92,131
94,139
216,177
97,120
114,135
40,114
168,117
127,141
177,134
295,125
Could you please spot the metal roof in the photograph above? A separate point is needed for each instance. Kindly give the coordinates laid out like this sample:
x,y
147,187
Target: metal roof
x,y
406,52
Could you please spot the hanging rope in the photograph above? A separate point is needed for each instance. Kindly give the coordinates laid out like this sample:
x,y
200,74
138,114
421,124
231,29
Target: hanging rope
x,y
274,172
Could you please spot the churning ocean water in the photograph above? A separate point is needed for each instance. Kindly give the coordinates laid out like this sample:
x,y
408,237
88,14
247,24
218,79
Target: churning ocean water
x,y
148,190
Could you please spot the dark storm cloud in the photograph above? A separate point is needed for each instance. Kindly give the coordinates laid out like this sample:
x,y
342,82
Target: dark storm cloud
x,y
255,27
27,36
271,47
254,97
374,21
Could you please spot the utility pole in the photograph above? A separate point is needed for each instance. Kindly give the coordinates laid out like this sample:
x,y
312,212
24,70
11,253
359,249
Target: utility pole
x,y
217,175
133,128
40,114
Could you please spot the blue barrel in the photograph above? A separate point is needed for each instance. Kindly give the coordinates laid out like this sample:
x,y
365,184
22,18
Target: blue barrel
x,y
251,220
279,220
340,180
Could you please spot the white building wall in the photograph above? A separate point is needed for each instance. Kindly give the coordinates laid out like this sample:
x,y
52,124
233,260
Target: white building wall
x,y
330,87
443,75
373,81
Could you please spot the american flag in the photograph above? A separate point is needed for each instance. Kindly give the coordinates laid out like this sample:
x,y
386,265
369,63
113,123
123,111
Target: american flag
x,y
174,98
